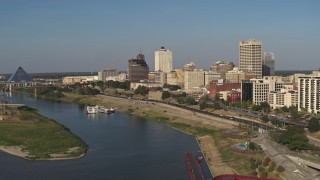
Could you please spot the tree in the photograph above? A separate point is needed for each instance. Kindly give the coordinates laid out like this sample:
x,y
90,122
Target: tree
x,y
171,87
204,98
313,125
203,105
272,165
190,100
141,90
165,95
216,105
265,119
298,142
295,116
266,161
295,138
280,168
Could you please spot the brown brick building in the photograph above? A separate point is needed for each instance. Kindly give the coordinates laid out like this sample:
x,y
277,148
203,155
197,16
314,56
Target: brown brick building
x,y
138,69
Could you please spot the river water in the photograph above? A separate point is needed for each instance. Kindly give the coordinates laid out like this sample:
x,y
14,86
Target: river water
x,y
120,147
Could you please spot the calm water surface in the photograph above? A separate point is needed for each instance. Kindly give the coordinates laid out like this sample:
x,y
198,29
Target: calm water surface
x,y
120,147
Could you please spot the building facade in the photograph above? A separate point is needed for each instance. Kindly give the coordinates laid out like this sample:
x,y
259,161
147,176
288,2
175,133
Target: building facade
x,y
138,69
158,77
106,72
309,93
268,64
163,60
250,57
222,68
210,76
216,87
193,79
284,97
258,90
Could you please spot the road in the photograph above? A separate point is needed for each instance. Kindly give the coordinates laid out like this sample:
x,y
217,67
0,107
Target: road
x,y
277,153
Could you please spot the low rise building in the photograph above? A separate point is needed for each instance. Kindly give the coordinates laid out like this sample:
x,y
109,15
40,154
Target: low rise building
x,y
216,87
105,73
78,79
284,97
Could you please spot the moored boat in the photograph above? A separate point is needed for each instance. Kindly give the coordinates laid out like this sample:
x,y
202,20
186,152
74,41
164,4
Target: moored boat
x,y
92,110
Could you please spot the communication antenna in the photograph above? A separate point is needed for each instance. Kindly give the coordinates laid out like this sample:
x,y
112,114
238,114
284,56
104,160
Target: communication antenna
x,y
140,51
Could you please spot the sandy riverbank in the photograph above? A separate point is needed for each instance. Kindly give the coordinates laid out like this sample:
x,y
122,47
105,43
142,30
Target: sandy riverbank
x,y
17,151
174,114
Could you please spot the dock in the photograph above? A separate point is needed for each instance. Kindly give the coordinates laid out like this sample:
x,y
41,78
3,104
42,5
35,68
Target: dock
x,y
193,165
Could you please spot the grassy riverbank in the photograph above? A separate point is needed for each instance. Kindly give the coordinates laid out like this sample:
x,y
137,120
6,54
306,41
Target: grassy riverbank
x,y
38,137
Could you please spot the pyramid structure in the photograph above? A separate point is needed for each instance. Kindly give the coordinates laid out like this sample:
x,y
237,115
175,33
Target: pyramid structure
x,y
20,76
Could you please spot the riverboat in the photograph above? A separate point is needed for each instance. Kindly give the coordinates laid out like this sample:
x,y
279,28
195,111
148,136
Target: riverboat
x,y
92,110
98,109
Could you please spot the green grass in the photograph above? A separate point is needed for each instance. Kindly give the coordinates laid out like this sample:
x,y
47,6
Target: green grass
x,y
41,137
310,158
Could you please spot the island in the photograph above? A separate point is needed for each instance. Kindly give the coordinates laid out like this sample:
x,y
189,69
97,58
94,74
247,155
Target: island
x,y
27,134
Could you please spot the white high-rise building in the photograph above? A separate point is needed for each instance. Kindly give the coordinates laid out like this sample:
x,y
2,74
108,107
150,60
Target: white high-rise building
x,y
309,93
163,60
250,57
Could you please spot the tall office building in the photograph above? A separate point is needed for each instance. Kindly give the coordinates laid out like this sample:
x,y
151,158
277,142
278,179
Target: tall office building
x,y
250,57
138,69
268,61
163,60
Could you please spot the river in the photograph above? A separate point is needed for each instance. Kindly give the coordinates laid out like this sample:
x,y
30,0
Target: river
x,y
120,147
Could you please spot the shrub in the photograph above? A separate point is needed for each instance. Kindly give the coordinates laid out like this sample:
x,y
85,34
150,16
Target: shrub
x,y
261,169
280,169
263,174
253,164
266,161
272,165
254,173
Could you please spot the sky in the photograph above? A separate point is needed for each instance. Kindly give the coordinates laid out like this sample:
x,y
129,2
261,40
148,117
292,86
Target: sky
x,y
89,35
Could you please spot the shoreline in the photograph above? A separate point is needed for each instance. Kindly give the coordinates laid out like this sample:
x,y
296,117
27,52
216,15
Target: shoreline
x,y
17,151
157,112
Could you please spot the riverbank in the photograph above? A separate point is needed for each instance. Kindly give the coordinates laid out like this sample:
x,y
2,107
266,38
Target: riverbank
x,y
27,134
217,148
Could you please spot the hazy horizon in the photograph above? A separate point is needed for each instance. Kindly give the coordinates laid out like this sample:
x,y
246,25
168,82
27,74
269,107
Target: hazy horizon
x,y
87,36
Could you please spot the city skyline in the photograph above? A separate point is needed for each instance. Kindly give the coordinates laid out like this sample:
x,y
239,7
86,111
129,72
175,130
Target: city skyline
x,y
61,36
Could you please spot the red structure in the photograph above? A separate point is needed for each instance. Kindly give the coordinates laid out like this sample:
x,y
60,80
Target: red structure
x,y
234,96
193,165
216,87
237,177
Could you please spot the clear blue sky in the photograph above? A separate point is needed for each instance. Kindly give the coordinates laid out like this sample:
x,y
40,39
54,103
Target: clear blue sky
x,y
88,35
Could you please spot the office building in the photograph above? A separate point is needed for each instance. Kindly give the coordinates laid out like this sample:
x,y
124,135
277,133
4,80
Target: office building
x,y
163,60
193,79
138,69
258,90
222,68
106,72
250,57
268,64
